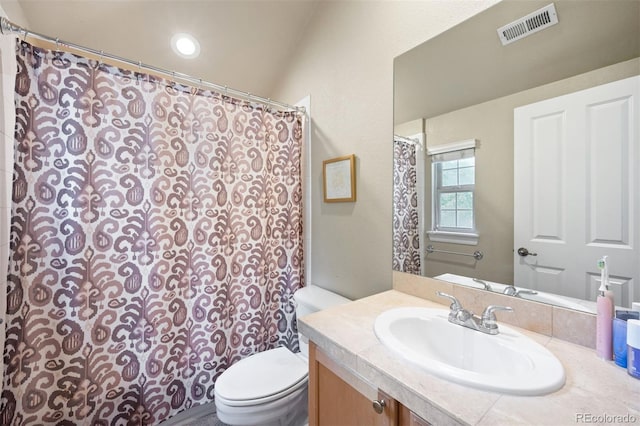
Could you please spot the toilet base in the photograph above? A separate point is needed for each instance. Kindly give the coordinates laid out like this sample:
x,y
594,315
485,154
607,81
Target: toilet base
x,y
292,410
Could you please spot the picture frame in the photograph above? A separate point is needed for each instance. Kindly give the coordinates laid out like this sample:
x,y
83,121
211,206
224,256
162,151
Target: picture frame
x,y
339,179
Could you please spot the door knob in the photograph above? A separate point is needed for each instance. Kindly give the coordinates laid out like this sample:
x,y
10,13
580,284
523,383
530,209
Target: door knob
x,y
524,252
378,405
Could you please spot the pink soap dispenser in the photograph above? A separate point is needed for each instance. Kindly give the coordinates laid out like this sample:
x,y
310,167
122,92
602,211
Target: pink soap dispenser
x,y
604,309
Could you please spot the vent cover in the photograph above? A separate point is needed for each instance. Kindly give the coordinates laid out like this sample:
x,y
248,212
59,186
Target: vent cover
x,y
527,25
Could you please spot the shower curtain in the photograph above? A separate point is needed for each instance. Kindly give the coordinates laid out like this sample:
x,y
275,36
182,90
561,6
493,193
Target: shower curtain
x,y
156,239
406,232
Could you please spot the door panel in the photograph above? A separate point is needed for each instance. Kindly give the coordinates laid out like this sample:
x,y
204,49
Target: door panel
x,y
577,191
607,179
547,159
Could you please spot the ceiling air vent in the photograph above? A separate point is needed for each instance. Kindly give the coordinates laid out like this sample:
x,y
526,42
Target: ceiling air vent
x,y
527,25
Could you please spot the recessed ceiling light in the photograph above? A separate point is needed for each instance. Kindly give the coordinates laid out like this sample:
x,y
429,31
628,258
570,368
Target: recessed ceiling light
x,y
185,45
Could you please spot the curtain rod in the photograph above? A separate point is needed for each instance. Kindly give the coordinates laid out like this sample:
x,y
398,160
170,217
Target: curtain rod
x,y
8,27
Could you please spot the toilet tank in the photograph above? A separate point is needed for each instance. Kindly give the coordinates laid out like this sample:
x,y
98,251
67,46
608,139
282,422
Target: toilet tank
x,y
312,299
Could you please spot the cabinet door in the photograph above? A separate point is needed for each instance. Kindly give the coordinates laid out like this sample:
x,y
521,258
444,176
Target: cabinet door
x,y
339,398
409,418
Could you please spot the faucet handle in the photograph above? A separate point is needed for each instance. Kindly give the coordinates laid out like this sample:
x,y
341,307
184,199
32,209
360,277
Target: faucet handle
x,y
513,291
510,290
455,303
488,319
484,284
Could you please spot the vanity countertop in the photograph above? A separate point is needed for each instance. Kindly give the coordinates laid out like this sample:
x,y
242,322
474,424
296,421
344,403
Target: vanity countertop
x,y
595,391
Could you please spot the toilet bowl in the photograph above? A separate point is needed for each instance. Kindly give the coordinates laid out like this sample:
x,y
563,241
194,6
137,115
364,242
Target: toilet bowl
x,y
270,388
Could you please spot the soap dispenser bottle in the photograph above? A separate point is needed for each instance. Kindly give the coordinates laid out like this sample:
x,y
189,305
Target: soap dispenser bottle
x,y
604,308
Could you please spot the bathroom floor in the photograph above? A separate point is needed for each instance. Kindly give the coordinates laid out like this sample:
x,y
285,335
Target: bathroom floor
x,y
202,415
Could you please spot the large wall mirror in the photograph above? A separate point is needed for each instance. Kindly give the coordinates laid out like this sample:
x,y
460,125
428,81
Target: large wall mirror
x,y
517,165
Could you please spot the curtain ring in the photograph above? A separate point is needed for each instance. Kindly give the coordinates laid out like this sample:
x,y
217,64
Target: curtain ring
x,y
24,37
57,54
99,61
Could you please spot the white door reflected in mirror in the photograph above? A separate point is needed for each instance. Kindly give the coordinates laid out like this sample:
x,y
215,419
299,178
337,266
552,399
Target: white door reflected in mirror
x,y
576,192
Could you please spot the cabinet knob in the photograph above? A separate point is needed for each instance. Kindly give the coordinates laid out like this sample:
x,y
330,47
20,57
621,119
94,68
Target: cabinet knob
x,y
378,405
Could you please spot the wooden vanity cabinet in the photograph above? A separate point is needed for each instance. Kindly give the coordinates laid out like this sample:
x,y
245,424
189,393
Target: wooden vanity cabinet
x,y
337,397
409,418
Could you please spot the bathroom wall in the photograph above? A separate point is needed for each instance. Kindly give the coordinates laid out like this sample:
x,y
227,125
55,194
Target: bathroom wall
x,y
345,63
13,10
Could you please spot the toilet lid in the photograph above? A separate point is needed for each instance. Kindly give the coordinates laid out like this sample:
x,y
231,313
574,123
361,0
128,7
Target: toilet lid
x,y
261,375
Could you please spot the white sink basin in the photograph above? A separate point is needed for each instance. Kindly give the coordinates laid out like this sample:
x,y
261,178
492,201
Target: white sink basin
x,y
508,362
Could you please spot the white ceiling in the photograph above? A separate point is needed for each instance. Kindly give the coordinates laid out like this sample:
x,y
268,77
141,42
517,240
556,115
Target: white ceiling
x,y
245,45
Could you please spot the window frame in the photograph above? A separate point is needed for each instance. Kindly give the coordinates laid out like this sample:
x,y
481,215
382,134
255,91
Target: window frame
x,y
438,188
443,153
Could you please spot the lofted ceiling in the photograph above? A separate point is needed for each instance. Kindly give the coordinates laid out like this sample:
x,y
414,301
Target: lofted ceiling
x,y
245,45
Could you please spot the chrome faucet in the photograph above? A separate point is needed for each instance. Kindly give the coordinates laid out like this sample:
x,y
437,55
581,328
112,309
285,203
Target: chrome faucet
x,y
486,323
512,291
484,284
489,321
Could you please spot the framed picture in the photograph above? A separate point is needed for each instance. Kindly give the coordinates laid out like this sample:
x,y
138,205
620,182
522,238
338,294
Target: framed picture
x,y
339,179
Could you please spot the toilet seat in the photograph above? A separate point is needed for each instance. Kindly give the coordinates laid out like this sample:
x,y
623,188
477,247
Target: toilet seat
x,y
262,378
270,388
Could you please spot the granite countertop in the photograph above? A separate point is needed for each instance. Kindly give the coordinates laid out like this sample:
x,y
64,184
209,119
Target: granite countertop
x,y
594,389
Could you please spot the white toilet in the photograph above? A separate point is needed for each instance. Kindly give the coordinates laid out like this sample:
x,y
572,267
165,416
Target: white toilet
x,y
270,388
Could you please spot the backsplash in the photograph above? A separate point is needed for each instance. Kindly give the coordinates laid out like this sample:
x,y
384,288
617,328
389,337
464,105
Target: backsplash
x,y
566,324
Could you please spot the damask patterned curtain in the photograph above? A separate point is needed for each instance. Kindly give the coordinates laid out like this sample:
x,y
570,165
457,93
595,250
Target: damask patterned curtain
x,y
156,239
406,232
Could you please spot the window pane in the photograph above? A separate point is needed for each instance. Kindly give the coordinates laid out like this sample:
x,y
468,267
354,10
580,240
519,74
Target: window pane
x,y
446,165
467,162
467,176
448,218
465,200
454,206
465,219
450,177
448,201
